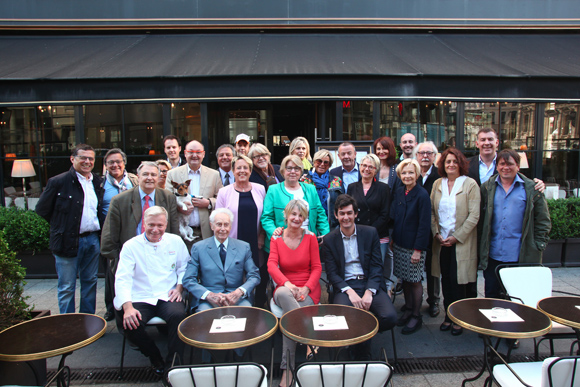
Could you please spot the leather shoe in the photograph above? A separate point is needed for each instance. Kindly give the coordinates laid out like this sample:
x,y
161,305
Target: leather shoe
x,y
456,331
407,330
109,316
158,368
434,310
445,326
403,320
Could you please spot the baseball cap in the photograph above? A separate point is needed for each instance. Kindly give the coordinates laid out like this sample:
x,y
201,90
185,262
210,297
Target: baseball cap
x,y
242,137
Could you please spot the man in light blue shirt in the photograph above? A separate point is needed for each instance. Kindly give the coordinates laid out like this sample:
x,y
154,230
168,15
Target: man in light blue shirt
x,y
349,171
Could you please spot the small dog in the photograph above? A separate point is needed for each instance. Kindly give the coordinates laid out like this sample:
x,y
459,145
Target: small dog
x,y
183,196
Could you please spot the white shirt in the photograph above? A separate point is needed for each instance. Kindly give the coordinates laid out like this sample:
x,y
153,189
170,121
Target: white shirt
x,y
427,174
195,177
148,271
89,219
447,208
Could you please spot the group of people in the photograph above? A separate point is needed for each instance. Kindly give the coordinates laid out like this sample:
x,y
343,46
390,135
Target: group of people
x,y
416,217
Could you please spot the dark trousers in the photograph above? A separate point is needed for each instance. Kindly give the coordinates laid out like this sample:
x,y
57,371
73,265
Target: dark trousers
x,y
492,284
109,285
381,307
173,313
433,283
452,291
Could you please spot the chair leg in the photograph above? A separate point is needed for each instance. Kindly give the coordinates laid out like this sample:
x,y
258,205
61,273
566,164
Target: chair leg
x,y
122,357
394,346
536,350
551,347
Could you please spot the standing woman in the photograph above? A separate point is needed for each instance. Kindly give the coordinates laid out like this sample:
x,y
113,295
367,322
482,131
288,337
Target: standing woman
x,y
411,212
294,265
164,167
263,172
455,201
301,148
384,148
245,200
328,186
279,195
374,201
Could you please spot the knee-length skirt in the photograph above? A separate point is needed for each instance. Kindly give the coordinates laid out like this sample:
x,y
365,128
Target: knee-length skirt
x,y
403,268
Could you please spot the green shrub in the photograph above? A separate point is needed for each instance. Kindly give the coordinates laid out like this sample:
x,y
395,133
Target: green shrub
x,y
573,217
13,307
565,216
24,230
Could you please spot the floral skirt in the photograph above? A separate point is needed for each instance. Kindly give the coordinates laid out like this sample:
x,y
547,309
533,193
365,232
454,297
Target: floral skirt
x,y
403,268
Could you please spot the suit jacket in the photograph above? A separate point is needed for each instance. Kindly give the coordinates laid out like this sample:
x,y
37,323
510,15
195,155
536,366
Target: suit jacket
x,y
369,252
434,175
339,172
210,183
473,170
412,218
125,214
205,270
373,208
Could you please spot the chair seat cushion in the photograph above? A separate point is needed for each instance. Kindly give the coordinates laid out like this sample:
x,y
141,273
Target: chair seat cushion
x,y
531,373
275,309
249,375
377,374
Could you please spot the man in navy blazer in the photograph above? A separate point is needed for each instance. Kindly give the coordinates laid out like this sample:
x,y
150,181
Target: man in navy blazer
x,y
215,274
349,171
354,267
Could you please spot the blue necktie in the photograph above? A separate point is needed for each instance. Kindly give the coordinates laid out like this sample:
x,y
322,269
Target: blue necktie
x,y
223,254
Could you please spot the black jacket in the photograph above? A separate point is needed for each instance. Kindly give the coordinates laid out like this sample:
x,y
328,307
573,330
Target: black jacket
x,y
373,208
434,175
412,218
338,171
61,204
256,178
473,170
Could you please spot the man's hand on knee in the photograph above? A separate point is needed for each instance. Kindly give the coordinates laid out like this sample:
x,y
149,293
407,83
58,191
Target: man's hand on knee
x,y
354,298
233,297
216,299
131,316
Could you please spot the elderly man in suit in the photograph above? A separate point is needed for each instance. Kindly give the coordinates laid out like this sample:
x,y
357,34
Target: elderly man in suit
x,y
124,219
204,186
349,171
354,267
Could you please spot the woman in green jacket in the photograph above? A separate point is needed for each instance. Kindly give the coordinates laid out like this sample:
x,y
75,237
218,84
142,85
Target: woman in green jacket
x,y
291,188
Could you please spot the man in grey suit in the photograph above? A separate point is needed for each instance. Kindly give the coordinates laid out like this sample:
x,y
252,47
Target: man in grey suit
x,y
204,186
123,220
215,275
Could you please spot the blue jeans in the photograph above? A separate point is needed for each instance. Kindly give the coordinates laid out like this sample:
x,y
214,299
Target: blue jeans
x,y
86,265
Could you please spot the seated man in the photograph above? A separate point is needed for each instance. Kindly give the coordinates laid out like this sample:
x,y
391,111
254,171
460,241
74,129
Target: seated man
x,y
215,275
357,280
148,283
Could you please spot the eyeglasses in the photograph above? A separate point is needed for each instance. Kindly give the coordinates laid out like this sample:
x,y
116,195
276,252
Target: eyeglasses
x,y
163,172
113,162
293,169
323,162
366,166
191,152
425,153
265,155
85,158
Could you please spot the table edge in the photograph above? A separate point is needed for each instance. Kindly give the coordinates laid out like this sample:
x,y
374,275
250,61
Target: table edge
x,y
560,320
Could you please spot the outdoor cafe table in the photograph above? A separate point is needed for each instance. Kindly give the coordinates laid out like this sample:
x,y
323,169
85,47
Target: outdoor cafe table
x,y
49,336
466,313
564,310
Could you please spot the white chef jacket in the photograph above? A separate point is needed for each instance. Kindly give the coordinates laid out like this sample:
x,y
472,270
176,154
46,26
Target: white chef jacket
x,y
148,271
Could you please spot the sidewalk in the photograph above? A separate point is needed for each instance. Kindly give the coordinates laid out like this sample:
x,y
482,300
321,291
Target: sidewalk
x,y
428,342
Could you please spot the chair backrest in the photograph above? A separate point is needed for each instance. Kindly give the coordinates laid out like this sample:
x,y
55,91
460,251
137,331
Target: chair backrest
x,y
345,374
528,283
219,375
9,190
561,372
156,321
34,184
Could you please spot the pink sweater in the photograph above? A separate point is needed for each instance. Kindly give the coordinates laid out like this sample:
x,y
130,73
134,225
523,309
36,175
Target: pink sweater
x,y
229,198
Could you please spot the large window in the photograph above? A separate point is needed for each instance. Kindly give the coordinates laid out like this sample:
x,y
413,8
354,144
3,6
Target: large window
x,y
186,122
397,118
357,123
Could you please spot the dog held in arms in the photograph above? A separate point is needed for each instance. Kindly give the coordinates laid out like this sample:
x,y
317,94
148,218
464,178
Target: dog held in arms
x,y
183,196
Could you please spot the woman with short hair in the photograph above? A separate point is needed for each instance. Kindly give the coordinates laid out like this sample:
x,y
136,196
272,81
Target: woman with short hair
x,y
264,172
328,187
164,167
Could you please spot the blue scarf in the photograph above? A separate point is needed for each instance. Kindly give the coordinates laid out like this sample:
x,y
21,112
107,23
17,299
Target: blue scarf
x,y
321,184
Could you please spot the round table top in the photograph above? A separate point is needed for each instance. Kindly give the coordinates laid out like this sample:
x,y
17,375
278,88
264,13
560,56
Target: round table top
x,y
260,325
466,313
297,325
49,336
562,309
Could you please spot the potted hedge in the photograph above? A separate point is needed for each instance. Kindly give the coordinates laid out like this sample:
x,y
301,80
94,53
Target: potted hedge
x,y
572,249
552,256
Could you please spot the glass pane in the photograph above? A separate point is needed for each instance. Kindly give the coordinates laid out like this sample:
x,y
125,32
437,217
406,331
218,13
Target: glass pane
x,y
517,125
57,138
103,129
527,166
398,118
561,126
479,115
186,122
561,167
251,122
357,122
144,129
438,123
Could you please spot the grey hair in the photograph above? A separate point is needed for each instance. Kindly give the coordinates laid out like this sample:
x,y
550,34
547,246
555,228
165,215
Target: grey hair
x,y
147,164
155,210
430,143
116,151
374,159
230,146
258,148
221,211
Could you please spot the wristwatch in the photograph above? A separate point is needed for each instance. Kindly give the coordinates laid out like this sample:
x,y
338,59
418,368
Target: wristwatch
x,y
209,206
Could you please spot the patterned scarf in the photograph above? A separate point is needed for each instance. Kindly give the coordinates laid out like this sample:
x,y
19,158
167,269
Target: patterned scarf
x,y
120,185
321,184
270,179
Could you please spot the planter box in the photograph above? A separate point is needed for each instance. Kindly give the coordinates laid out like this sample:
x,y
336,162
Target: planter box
x,y
552,256
572,252
25,373
41,265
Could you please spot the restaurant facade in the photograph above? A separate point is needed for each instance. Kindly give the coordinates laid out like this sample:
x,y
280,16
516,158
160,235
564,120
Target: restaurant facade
x,y
126,73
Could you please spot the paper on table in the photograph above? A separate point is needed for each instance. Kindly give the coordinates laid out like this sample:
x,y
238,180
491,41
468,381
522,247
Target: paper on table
x,y
320,325
507,315
228,325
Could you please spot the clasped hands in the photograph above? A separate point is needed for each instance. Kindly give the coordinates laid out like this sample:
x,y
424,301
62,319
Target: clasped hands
x,y
195,202
299,293
358,302
448,242
221,299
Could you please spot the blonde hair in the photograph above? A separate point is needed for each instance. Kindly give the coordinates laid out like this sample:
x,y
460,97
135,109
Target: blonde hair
x,y
374,159
295,159
242,157
163,162
406,162
296,203
297,141
322,153
258,148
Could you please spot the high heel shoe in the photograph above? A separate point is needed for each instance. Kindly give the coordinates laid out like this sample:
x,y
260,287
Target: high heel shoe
x,y
445,326
403,320
456,331
313,352
407,330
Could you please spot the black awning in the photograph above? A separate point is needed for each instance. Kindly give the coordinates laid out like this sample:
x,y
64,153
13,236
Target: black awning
x,y
295,65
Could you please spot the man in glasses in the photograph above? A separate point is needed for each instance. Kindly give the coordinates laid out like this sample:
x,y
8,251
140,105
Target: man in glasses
x,y
203,187
426,154
73,205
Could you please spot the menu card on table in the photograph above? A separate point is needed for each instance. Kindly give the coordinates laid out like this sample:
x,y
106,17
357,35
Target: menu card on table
x,y
323,323
228,325
503,315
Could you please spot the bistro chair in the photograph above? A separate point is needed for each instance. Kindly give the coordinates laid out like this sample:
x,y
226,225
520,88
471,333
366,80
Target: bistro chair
x,y
219,375
155,321
528,284
552,372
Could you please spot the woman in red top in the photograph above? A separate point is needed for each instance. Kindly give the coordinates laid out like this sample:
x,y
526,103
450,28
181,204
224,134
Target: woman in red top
x,y
294,264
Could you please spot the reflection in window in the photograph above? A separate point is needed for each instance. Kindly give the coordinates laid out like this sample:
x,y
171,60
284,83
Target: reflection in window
x,y
357,122
479,115
251,122
561,126
517,125
186,122
57,137
143,129
398,118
